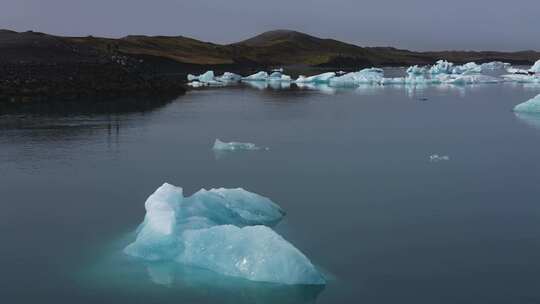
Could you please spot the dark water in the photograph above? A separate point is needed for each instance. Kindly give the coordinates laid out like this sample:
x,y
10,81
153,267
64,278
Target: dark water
x,y
350,167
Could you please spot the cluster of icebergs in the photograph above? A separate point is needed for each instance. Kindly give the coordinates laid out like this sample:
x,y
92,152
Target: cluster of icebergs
x,y
442,72
223,230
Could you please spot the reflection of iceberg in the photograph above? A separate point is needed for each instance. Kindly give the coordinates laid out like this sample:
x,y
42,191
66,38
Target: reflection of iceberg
x,y
522,78
223,230
321,87
472,79
233,146
227,289
530,106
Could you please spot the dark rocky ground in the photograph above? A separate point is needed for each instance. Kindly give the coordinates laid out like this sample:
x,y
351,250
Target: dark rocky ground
x,y
41,67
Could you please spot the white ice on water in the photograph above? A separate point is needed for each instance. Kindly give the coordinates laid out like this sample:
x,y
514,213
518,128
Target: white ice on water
x,y
233,146
223,230
530,106
320,78
442,72
535,68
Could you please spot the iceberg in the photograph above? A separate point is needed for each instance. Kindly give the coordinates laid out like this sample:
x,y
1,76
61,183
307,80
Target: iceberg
x,y
278,76
467,69
223,230
535,68
530,106
365,76
416,70
206,77
320,78
233,146
442,67
256,253
259,76
494,65
229,77
436,158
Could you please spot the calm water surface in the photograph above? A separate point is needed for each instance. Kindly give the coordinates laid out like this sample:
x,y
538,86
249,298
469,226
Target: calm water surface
x,y
350,167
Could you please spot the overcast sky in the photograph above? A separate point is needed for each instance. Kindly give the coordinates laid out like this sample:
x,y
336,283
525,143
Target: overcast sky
x,y
413,24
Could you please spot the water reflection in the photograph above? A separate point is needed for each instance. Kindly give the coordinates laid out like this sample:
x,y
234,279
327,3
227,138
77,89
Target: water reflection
x,y
228,289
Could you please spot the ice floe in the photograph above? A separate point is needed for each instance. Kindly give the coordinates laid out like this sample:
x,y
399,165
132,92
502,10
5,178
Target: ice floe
x,y
234,146
437,158
223,230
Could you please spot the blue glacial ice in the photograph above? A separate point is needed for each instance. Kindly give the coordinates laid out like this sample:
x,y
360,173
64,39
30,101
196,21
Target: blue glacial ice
x,y
320,78
530,106
494,65
365,76
259,76
223,230
234,146
442,67
256,253
278,76
208,78
229,77
535,68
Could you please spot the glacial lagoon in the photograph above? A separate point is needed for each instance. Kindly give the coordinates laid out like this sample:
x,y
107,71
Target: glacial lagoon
x,y
352,167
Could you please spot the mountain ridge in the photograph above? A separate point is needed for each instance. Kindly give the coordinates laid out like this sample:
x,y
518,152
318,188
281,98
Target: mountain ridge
x,y
271,48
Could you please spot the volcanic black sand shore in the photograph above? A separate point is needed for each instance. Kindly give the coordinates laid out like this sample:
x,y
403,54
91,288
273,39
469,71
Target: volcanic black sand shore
x,y
41,67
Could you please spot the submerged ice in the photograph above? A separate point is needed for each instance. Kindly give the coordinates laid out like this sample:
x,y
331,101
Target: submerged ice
x,y
530,106
223,230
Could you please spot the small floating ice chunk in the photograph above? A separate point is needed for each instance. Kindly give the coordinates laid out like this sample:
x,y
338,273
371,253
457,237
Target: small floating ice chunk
x,y
233,146
494,65
365,76
255,253
535,68
205,77
229,77
437,158
442,67
259,76
530,106
467,69
320,78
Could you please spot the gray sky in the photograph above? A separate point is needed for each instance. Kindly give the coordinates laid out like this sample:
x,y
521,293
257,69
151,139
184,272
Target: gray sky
x,y
413,24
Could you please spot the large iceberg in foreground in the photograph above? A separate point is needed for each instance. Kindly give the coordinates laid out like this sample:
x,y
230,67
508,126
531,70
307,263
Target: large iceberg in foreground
x,y
256,253
233,146
223,230
530,106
